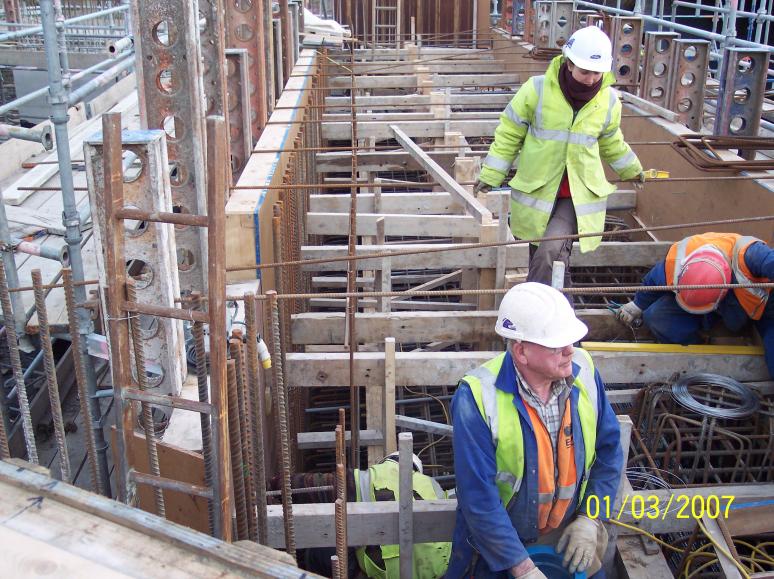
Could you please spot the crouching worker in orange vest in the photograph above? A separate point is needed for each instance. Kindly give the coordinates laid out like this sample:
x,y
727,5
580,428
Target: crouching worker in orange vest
x,y
534,439
710,258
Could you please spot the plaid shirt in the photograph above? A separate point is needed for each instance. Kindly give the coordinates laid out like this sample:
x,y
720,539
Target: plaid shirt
x,y
550,412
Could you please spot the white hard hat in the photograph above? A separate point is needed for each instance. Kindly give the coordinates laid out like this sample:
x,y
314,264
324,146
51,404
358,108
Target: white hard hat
x,y
534,312
395,457
589,48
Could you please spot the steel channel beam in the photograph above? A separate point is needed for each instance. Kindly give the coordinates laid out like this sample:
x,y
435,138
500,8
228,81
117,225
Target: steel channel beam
x,y
553,23
688,79
580,18
170,92
658,66
245,29
239,109
742,85
626,35
149,248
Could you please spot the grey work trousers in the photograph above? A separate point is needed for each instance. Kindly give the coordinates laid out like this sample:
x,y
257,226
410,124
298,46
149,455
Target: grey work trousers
x,y
542,257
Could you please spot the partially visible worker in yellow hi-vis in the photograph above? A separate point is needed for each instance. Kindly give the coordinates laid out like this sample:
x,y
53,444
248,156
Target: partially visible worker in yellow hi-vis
x,y
562,125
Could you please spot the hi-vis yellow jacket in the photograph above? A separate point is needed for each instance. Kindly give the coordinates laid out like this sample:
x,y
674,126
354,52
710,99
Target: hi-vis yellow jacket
x,y
539,124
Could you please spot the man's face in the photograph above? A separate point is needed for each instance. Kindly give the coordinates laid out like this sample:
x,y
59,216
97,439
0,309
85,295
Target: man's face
x,y
549,363
583,76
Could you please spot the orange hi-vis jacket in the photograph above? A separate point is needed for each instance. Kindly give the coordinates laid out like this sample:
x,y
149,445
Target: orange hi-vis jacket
x,y
553,502
733,246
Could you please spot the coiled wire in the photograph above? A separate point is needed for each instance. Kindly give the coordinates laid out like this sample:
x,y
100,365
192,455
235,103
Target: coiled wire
x,y
747,405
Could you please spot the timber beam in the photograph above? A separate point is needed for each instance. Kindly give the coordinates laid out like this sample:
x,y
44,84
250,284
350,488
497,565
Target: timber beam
x,y
439,80
609,253
380,130
376,523
424,203
477,100
446,368
420,327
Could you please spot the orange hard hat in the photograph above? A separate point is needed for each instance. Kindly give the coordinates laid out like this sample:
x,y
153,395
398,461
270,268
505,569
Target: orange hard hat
x,y
704,266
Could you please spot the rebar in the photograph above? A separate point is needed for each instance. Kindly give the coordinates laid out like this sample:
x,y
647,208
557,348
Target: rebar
x,y
246,434
13,351
235,440
135,328
80,381
200,352
254,392
282,419
51,379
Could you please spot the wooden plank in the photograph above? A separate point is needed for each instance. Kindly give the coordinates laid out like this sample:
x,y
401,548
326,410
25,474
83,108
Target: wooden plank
x,y
377,523
314,440
463,226
397,305
609,253
104,531
439,80
728,569
390,433
479,100
446,368
410,423
635,563
420,327
379,161
342,131
432,203
473,206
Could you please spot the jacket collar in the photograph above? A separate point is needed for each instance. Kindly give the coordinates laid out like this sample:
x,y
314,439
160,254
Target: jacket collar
x,y
507,380
552,74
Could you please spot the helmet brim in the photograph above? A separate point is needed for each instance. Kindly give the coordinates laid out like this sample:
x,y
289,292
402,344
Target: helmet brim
x,y
575,331
602,65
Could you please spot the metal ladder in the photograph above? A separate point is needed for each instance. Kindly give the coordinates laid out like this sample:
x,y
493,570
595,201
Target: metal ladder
x,y
386,23
121,308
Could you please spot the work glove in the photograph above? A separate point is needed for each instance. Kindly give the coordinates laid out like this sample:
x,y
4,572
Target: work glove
x,y
481,187
533,573
578,543
639,182
629,313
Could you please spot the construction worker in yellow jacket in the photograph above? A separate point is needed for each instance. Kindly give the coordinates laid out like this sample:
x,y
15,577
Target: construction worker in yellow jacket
x,y
561,125
380,482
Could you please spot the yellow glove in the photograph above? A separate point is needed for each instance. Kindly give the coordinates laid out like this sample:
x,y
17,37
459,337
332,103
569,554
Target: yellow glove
x,y
579,544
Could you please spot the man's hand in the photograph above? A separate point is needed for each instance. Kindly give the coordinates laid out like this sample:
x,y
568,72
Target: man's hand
x,y
481,187
527,570
579,544
639,182
629,313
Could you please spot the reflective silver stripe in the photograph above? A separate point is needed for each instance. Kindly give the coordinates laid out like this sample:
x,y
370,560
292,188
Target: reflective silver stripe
x,y
532,202
509,479
364,481
514,116
608,134
537,82
545,497
609,116
624,161
589,208
565,493
488,398
439,494
740,275
679,259
563,136
497,164
586,376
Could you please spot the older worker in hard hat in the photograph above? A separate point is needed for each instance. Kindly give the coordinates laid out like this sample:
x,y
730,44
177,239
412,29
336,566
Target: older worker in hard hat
x,y
562,125
708,259
534,439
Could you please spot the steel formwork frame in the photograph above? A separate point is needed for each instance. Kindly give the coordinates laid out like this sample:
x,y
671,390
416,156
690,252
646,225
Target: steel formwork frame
x,y
171,91
657,67
689,77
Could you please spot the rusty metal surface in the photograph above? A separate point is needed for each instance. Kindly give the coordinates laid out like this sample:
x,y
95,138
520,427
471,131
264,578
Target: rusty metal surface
x,y
657,67
701,152
239,111
688,80
553,23
740,102
626,36
246,30
169,78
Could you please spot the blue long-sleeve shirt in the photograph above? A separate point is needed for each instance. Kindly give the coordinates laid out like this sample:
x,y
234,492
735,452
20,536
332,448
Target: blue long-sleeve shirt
x,y
759,259
483,523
